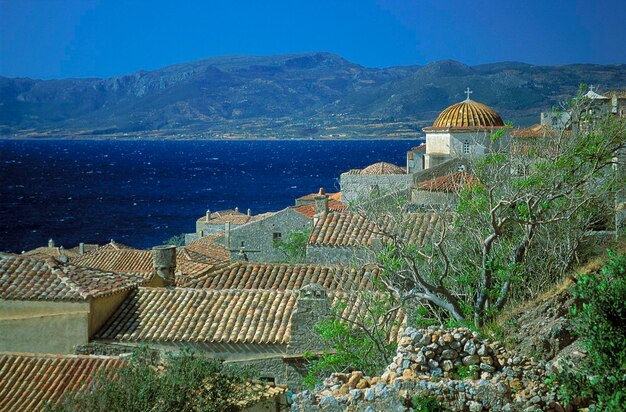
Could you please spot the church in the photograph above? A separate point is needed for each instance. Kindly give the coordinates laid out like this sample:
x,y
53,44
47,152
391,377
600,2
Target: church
x,y
463,129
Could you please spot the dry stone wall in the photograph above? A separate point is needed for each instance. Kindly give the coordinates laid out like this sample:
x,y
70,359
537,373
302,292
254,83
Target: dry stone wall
x,y
458,367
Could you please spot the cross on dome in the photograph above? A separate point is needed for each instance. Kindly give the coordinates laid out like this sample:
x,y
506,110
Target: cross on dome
x,y
591,87
468,92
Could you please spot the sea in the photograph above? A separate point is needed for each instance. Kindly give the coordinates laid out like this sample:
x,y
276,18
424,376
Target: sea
x,y
142,192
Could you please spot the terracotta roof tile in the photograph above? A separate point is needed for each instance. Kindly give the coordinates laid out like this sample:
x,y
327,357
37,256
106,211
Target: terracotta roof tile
x,y
451,183
283,276
28,382
233,216
31,278
308,210
55,252
208,246
311,196
383,168
136,261
348,229
227,316
202,315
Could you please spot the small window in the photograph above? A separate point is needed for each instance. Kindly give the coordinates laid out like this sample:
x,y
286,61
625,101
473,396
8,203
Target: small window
x,y
466,147
277,235
242,245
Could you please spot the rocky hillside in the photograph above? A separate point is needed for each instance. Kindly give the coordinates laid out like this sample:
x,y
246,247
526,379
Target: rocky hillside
x,y
305,95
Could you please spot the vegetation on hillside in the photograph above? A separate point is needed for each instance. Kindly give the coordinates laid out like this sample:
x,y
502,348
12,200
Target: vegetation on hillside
x,y
600,319
512,235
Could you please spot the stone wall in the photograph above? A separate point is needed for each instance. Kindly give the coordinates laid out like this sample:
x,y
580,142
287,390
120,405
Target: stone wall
x,y
258,236
457,367
355,186
434,199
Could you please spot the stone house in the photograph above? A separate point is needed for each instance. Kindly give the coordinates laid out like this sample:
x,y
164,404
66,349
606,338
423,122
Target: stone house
x,y
378,178
250,326
415,159
441,193
347,237
212,223
50,306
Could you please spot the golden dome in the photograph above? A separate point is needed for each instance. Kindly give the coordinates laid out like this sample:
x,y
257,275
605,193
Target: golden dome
x,y
468,113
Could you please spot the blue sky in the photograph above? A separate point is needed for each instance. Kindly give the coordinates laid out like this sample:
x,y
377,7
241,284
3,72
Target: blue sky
x,y
101,38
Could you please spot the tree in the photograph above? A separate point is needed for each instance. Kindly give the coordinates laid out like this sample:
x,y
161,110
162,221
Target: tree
x,y
362,341
184,382
294,248
505,226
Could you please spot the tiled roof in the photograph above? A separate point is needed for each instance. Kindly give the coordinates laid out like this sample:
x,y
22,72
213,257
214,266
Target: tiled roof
x,y
451,183
202,315
139,262
28,382
227,316
233,216
536,130
283,276
308,210
208,246
31,278
311,196
468,114
350,229
621,94
55,252
383,168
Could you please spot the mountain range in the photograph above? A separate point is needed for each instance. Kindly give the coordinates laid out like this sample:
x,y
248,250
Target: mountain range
x,y
296,96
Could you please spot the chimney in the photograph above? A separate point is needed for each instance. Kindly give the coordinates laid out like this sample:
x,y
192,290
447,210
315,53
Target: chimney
x,y
50,243
321,202
249,212
208,215
164,263
227,235
236,209
81,248
313,305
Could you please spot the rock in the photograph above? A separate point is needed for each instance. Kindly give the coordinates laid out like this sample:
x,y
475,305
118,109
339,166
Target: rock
x,y
447,365
449,354
455,345
408,374
487,368
354,379
433,363
426,339
429,354
448,338
362,384
405,340
482,351
471,360
470,347
355,394
487,360
369,394
406,363
421,359
328,402
475,406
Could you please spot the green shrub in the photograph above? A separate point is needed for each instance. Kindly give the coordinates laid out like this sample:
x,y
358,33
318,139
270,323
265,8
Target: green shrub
x,y
422,403
601,323
186,383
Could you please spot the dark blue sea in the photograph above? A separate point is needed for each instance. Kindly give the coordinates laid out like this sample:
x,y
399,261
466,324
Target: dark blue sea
x,y
143,192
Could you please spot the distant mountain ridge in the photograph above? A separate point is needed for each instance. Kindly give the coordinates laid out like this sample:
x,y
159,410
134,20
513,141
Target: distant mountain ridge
x,y
301,95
